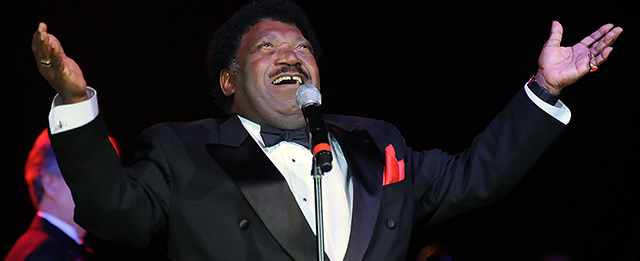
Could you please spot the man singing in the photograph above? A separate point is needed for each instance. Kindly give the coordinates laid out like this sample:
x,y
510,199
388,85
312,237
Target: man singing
x,y
223,189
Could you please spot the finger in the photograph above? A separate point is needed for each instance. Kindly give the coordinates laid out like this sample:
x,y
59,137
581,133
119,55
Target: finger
x,y
40,43
597,48
555,37
53,41
56,54
606,41
42,29
602,57
43,36
51,48
35,42
595,36
47,48
612,35
37,36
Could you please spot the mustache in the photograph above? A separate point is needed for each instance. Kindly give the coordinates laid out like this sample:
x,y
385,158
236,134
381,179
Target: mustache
x,y
289,69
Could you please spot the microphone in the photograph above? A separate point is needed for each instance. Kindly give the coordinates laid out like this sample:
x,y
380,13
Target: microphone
x,y
309,99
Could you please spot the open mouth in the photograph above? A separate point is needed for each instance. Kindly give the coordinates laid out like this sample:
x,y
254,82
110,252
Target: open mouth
x,y
288,79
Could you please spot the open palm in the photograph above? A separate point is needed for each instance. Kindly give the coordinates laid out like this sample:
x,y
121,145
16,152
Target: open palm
x,y
560,66
62,73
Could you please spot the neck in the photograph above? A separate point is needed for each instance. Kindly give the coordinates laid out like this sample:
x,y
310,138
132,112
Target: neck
x,y
288,122
62,212
72,229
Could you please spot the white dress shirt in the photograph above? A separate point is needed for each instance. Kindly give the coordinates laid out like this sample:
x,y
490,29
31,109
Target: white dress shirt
x,y
60,224
294,163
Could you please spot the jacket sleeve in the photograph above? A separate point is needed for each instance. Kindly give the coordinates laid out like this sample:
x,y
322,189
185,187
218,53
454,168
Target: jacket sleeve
x,y
447,185
114,202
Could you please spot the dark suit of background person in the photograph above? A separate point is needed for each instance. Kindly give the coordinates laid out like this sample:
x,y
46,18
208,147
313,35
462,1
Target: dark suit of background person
x,y
52,234
44,241
208,189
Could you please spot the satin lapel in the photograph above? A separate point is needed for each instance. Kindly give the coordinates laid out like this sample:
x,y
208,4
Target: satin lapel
x,y
365,167
264,188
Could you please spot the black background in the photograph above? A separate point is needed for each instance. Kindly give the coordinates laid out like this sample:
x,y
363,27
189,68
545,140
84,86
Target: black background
x,y
438,71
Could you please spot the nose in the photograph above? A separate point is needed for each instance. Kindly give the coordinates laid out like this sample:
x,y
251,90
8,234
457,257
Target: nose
x,y
287,56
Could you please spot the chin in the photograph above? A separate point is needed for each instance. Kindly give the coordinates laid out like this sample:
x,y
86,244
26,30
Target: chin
x,y
289,121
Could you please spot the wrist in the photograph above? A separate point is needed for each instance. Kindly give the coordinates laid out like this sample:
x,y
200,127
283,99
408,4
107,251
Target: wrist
x,y
70,99
541,92
544,84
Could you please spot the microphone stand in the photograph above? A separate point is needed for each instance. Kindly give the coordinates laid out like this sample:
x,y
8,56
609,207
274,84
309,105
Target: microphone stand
x,y
308,98
317,173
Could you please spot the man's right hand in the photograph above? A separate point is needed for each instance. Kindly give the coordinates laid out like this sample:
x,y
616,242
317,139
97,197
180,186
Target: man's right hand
x,y
62,73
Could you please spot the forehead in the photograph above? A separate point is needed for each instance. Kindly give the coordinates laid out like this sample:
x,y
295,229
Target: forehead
x,y
270,29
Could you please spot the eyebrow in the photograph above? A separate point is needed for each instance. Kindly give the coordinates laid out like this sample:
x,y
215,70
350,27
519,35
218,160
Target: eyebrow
x,y
271,36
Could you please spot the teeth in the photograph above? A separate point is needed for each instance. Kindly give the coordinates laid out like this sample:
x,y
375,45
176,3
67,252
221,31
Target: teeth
x,y
296,78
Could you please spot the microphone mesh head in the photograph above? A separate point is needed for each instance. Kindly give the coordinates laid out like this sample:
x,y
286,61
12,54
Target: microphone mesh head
x,y
308,94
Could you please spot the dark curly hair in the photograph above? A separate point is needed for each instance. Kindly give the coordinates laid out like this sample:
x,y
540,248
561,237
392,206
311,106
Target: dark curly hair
x,y
223,48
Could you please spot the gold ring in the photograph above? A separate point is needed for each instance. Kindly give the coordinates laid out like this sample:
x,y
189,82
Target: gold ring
x,y
592,67
45,63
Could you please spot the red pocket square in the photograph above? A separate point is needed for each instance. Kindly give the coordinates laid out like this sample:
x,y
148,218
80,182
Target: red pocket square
x,y
393,170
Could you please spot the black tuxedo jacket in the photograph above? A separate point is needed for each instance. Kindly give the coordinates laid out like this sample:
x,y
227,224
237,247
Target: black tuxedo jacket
x,y
44,241
207,187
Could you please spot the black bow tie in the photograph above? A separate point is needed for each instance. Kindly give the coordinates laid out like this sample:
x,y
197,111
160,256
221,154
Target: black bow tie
x,y
272,136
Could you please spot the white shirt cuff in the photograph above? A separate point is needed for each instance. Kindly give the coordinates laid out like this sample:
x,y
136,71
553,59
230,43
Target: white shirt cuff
x,y
558,111
65,117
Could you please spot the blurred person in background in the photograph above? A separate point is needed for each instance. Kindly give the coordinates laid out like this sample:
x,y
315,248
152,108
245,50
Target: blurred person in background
x,y
53,234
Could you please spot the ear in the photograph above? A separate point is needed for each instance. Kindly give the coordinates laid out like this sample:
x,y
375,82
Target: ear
x,y
50,184
226,82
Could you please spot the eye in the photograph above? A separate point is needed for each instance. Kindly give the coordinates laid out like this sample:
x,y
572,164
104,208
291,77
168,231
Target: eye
x,y
264,46
304,48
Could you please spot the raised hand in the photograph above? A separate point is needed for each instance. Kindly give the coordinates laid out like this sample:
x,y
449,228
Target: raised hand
x,y
62,73
560,66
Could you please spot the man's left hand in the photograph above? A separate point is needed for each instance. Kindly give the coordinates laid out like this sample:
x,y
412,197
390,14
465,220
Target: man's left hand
x,y
560,66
